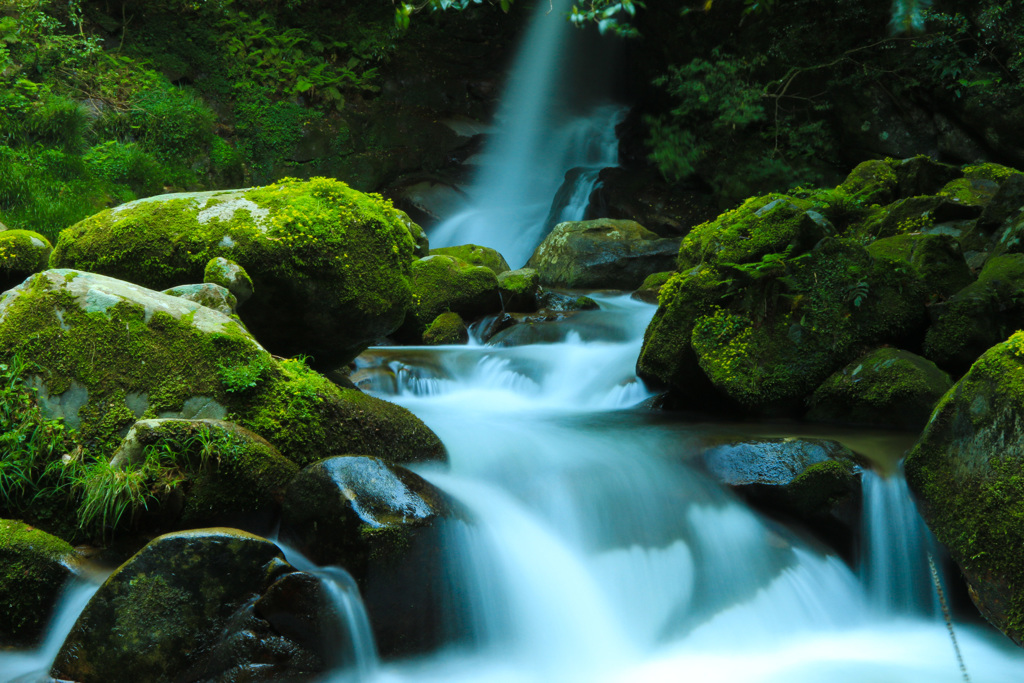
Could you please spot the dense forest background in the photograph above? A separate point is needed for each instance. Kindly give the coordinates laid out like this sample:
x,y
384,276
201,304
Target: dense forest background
x,y
104,101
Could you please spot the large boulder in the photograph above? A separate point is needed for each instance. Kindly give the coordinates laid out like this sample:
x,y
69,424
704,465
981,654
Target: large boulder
x,y
34,566
601,254
200,605
886,387
329,265
384,525
109,352
967,471
444,284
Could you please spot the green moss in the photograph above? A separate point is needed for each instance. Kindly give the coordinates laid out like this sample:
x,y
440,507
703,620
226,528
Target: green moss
x,y
33,568
936,259
324,258
230,276
476,255
989,171
444,283
22,252
874,182
819,488
446,328
968,470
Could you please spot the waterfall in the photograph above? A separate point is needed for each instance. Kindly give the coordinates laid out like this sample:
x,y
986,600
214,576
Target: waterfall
x,y
539,140
895,548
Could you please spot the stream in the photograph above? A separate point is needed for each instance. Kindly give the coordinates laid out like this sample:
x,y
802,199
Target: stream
x,y
599,549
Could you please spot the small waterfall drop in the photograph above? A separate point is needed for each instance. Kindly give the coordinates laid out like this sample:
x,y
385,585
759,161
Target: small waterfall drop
x,y
895,548
540,138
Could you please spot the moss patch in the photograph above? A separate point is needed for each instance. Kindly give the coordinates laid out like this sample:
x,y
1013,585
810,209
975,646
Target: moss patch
x,y
33,568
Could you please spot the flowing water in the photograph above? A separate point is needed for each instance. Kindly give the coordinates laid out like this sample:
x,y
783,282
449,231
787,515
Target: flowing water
x,y
598,549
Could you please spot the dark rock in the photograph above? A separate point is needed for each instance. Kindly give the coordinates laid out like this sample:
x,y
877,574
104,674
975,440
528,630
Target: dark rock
x,y
643,196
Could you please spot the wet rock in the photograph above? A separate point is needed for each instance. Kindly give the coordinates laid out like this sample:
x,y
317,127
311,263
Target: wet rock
x,y
34,566
444,283
649,288
383,524
601,254
182,609
519,290
966,471
447,328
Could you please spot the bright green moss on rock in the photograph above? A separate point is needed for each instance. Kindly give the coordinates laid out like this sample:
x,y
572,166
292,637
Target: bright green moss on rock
x,y
476,255
758,227
447,328
33,569
874,182
519,290
886,387
967,470
230,276
444,283
989,171
936,260
970,191
22,252
329,265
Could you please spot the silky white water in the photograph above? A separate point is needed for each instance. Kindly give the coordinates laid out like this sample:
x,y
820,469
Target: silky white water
x,y
603,554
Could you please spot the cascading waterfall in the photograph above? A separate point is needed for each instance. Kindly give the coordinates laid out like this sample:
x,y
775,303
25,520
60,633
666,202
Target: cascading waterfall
x,y
538,141
894,562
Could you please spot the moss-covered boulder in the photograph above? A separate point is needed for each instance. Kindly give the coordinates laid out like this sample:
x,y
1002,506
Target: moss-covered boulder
x,y
967,470
230,276
447,328
886,387
978,316
188,607
916,214
34,567
519,290
444,284
475,255
383,524
814,480
760,226
207,294
766,333
937,260
651,286
329,265
22,252
223,474
601,254
873,182
110,352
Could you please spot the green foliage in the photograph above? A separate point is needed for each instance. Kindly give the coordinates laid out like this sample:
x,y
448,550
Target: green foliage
x,y
240,378
36,462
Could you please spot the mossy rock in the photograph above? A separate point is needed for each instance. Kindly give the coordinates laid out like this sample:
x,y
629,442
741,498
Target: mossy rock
x,y
110,352
444,284
230,276
207,294
989,171
886,387
813,480
476,255
188,607
229,476
967,471
384,525
916,214
22,253
922,175
873,182
519,290
601,254
1005,204
978,316
936,259
447,328
651,286
771,224
34,566
329,265
977,192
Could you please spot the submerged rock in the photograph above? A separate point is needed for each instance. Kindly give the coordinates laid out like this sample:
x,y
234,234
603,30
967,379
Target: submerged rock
x,y
329,265
601,254
967,471
383,524
199,605
34,566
